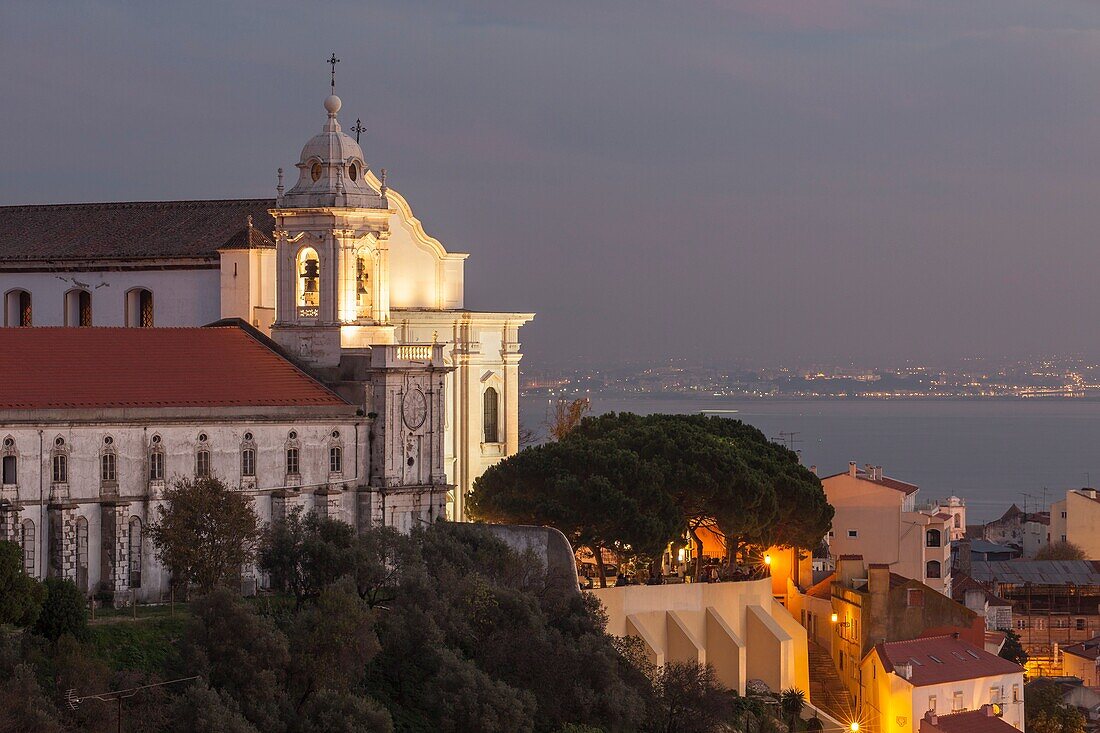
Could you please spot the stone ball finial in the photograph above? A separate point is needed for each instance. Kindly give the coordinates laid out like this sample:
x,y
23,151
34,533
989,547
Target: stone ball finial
x,y
333,104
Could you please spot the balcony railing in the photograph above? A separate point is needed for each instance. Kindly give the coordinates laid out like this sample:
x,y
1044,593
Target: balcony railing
x,y
415,352
308,311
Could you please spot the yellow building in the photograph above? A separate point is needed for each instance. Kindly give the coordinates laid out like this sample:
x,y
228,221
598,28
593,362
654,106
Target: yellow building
x,y
942,675
876,518
1081,660
1076,519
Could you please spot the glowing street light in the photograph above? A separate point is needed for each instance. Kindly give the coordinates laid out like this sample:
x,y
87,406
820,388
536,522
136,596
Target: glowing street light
x,y
835,618
767,559
854,727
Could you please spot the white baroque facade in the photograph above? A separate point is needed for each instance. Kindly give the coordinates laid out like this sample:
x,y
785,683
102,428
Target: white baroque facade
x,y
375,277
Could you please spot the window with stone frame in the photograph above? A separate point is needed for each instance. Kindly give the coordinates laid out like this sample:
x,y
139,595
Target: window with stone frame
x,y
248,462
491,415
156,464
28,546
135,552
202,464
60,468
10,463
292,467
17,308
335,459
108,473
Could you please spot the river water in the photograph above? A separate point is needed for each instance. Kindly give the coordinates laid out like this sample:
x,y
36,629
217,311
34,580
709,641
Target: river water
x,y
990,453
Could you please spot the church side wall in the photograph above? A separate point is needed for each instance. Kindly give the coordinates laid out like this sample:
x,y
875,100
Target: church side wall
x,y
109,508
180,297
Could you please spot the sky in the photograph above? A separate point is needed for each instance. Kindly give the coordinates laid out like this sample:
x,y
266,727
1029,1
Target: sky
x,y
763,181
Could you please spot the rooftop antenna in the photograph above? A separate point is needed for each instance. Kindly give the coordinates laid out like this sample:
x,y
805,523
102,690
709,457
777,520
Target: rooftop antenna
x,y
333,61
790,439
358,129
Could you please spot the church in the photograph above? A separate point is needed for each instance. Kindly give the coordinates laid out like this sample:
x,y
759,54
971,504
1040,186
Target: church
x,y
312,349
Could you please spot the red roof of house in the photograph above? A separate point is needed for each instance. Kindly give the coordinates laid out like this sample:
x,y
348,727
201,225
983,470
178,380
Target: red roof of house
x,y
940,659
971,721
1087,649
75,368
890,483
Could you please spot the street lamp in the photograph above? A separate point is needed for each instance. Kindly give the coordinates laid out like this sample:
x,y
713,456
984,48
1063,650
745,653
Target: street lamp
x,y
854,727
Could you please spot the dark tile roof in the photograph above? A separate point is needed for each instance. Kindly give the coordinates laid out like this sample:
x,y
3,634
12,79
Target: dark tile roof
x,y
132,230
938,659
81,368
823,588
1088,649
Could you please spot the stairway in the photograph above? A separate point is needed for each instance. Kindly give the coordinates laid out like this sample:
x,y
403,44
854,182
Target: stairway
x,y
827,691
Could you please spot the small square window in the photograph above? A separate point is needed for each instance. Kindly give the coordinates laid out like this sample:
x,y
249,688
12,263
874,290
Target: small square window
x,y
915,597
852,533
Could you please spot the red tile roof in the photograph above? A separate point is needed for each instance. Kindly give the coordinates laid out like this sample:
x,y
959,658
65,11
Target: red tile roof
x,y
76,368
971,721
890,483
940,659
133,230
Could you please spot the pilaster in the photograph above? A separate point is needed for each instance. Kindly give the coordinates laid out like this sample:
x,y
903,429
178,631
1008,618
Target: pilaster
x,y
115,548
62,541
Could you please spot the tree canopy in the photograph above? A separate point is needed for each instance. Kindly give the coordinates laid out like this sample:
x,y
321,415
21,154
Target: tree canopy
x,y
205,533
625,480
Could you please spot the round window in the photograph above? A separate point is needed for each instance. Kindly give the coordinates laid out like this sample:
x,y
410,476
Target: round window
x,y
59,442
293,435
108,440
336,433
9,442
202,437
315,171
353,171
156,439
248,436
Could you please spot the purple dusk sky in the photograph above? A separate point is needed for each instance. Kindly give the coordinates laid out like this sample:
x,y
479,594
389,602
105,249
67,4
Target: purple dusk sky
x,y
765,180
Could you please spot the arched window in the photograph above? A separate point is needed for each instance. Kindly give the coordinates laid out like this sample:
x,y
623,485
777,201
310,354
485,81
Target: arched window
x,y
60,465
135,552
335,460
491,415
202,463
309,283
248,461
17,308
139,308
107,473
28,546
78,308
933,569
82,554
958,521
156,460
362,285
932,538
292,467
9,474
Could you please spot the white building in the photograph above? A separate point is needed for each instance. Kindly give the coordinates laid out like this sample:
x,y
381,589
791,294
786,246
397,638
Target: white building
x,y
902,681
329,269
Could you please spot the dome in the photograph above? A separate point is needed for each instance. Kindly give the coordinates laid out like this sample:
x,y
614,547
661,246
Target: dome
x,y
331,169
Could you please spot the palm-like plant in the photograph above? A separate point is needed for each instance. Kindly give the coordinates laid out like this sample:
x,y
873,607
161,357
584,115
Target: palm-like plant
x,y
791,701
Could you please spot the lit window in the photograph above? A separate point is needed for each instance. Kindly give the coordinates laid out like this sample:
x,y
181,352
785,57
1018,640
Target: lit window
x,y
17,308
248,462
292,461
202,463
491,417
334,459
60,468
309,278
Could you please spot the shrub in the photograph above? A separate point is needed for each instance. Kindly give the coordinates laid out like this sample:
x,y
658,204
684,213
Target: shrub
x,y
63,611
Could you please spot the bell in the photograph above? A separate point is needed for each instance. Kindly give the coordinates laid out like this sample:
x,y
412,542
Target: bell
x,y
311,270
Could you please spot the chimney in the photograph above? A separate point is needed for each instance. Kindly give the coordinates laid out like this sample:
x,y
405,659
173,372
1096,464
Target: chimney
x,y
852,468
931,717
878,473
989,711
878,579
848,569
955,635
962,561
975,600
905,671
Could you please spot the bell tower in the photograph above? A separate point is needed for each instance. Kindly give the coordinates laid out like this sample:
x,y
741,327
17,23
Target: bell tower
x,y
332,252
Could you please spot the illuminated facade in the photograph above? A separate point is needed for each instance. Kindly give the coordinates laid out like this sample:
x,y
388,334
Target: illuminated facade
x,y
332,269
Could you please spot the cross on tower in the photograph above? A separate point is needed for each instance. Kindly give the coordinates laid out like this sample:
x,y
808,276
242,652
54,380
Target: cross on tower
x,y
333,61
358,129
